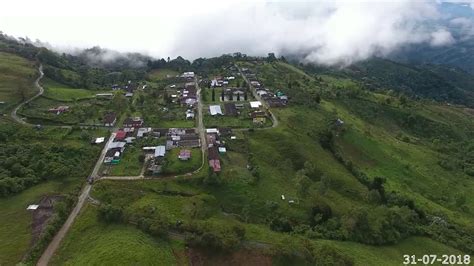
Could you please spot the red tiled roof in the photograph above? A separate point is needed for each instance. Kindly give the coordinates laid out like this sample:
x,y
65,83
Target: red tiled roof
x,y
216,165
120,134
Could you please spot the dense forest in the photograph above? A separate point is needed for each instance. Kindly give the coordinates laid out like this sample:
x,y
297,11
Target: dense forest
x,y
29,156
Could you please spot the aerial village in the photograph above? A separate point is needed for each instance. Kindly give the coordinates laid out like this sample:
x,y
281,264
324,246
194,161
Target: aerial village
x,y
231,102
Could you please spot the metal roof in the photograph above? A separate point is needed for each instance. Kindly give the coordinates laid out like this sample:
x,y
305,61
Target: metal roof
x,y
160,151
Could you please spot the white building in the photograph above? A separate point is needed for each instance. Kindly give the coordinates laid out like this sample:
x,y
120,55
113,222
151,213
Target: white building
x,y
215,110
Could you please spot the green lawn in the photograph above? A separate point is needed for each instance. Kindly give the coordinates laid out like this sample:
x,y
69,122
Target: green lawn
x,y
129,164
88,111
91,242
60,92
15,224
15,71
160,74
175,166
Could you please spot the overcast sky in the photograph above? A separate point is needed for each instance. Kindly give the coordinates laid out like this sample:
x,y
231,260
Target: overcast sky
x,y
325,31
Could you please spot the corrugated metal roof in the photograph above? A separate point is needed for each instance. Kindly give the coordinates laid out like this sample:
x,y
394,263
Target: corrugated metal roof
x,y
160,151
215,109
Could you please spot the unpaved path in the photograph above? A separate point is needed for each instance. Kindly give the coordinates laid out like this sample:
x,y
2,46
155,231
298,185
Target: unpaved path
x,y
40,92
258,98
54,244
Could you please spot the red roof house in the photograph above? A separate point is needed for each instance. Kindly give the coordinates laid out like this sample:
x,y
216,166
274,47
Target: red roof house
x,y
120,135
216,165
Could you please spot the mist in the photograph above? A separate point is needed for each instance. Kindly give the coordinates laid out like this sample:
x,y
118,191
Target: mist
x,y
323,32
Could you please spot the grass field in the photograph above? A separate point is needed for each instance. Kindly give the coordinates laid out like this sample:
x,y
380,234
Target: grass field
x,y
15,71
60,92
175,166
85,111
129,164
160,74
92,243
15,224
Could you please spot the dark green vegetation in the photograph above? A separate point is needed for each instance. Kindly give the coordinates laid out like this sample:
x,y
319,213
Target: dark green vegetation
x,y
394,178
16,80
35,165
442,83
113,244
29,156
367,173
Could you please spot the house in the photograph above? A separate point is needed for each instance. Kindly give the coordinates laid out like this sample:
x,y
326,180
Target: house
x,y
117,144
230,109
189,114
99,140
110,119
120,135
339,122
255,83
112,156
212,153
255,104
184,155
142,131
59,110
215,165
261,92
129,94
107,96
225,131
160,151
188,75
189,85
215,110
212,130
133,122
258,117
222,150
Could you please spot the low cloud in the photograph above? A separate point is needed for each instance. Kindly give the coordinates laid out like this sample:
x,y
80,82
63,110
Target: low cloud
x,y
441,37
323,32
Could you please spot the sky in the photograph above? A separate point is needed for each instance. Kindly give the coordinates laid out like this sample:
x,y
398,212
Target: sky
x,y
326,32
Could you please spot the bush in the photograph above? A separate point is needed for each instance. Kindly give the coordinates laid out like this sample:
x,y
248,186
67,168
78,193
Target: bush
x,y
110,214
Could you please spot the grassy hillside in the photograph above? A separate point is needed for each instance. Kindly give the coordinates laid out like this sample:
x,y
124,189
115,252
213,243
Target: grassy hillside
x,y
92,243
64,93
15,226
16,80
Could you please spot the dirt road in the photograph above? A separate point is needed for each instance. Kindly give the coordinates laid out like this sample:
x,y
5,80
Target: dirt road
x,y
256,96
54,244
40,92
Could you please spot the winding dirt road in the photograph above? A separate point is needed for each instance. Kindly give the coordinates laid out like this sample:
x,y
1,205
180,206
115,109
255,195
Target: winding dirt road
x,y
40,92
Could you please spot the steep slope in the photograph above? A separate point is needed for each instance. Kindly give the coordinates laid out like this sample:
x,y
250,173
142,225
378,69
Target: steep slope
x,y
16,80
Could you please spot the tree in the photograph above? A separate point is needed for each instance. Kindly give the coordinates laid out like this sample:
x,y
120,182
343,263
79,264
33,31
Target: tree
x,y
222,95
324,184
317,98
245,96
238,97
110,213
213,95
22,90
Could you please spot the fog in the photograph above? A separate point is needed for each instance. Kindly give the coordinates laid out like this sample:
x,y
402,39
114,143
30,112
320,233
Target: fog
x,y
324,32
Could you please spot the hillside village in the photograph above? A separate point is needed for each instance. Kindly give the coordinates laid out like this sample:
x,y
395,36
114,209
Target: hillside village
x,y
250,101
252,157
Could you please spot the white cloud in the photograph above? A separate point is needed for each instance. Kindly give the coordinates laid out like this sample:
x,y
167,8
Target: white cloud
x,y
441,37
330,32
